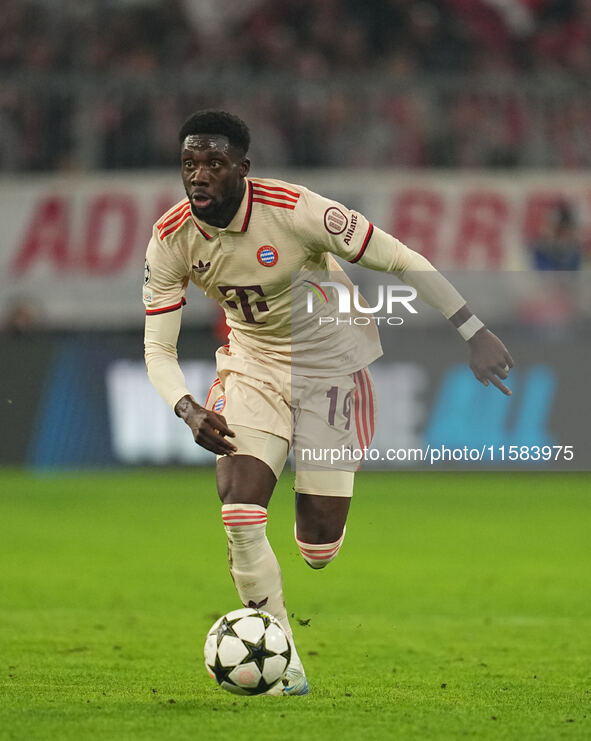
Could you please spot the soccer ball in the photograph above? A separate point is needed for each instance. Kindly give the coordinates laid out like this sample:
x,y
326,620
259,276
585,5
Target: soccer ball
x,y
247,652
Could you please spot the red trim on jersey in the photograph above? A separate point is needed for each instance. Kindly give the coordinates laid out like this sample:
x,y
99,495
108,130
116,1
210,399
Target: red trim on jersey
x,y
247,216
174,227
166,309
293,193
168,214
172,222
275,196
205,234
211,388
291,206
364,245
174,217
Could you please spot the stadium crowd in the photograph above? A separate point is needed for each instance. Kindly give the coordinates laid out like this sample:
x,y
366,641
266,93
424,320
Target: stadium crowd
x,y
382,83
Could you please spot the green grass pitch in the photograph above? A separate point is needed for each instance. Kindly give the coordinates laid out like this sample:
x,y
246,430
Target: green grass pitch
x,y
459,607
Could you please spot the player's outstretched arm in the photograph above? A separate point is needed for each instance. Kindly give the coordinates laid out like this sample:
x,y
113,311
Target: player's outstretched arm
x,y
331,227
209,428
490,361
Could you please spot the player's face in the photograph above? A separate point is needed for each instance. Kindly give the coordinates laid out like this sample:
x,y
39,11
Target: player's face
x,y
213,174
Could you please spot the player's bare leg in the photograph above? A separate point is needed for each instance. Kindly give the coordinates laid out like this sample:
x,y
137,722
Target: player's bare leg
x,y
320,527
245,485
243,478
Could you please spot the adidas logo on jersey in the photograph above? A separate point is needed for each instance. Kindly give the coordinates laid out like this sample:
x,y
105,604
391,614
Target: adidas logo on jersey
x,y
201,268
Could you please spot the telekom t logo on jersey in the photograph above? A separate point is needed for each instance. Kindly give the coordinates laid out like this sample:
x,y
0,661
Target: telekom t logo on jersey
x,y
388,297
243,294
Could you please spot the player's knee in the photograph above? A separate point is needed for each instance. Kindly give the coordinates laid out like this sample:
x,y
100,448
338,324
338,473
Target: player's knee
x,y
244,479
319,555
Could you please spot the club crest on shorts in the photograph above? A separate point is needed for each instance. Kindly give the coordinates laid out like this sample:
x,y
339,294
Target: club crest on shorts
x,y
219,404
267,256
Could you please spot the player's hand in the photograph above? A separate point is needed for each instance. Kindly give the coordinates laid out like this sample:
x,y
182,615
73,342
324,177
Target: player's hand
x,y
209,428
490,360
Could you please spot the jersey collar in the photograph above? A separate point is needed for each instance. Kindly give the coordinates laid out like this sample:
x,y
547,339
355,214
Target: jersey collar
x,y
239,222
242,217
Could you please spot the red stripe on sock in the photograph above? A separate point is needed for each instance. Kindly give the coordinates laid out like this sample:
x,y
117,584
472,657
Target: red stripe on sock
x,y
235,523
234,520
250,511
316,558
320,550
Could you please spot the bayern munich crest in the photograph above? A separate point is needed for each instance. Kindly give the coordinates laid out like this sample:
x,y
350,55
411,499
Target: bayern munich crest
x,y
220,404
267,256
335,220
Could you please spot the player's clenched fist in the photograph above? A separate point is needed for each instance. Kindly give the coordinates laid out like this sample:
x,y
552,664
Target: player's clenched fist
x,y
209,428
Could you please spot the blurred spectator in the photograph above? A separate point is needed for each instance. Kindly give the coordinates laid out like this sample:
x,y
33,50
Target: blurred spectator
x,y
392,83
22,317
558,246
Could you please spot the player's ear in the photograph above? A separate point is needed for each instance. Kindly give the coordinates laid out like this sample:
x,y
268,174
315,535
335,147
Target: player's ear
x,y
244,167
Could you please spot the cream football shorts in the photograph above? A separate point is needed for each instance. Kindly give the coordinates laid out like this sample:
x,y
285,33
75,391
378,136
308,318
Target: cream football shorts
x,y
325,422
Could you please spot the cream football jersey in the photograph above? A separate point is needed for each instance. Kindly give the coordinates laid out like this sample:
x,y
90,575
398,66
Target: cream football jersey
x,y
266,270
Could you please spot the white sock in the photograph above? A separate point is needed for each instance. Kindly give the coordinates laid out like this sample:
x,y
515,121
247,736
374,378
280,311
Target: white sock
x,y
319,555
253,564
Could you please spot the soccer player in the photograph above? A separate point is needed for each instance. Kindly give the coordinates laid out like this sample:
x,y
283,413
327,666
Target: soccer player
x,y
253,244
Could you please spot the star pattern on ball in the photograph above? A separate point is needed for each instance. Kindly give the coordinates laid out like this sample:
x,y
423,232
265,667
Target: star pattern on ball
x,y
221,672
257,652
225,628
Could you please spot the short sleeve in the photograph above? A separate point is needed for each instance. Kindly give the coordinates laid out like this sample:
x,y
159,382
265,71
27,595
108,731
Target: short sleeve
x,y
328,226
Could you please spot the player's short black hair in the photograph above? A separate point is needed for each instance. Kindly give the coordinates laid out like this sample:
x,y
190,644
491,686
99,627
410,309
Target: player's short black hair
x,y
218,122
